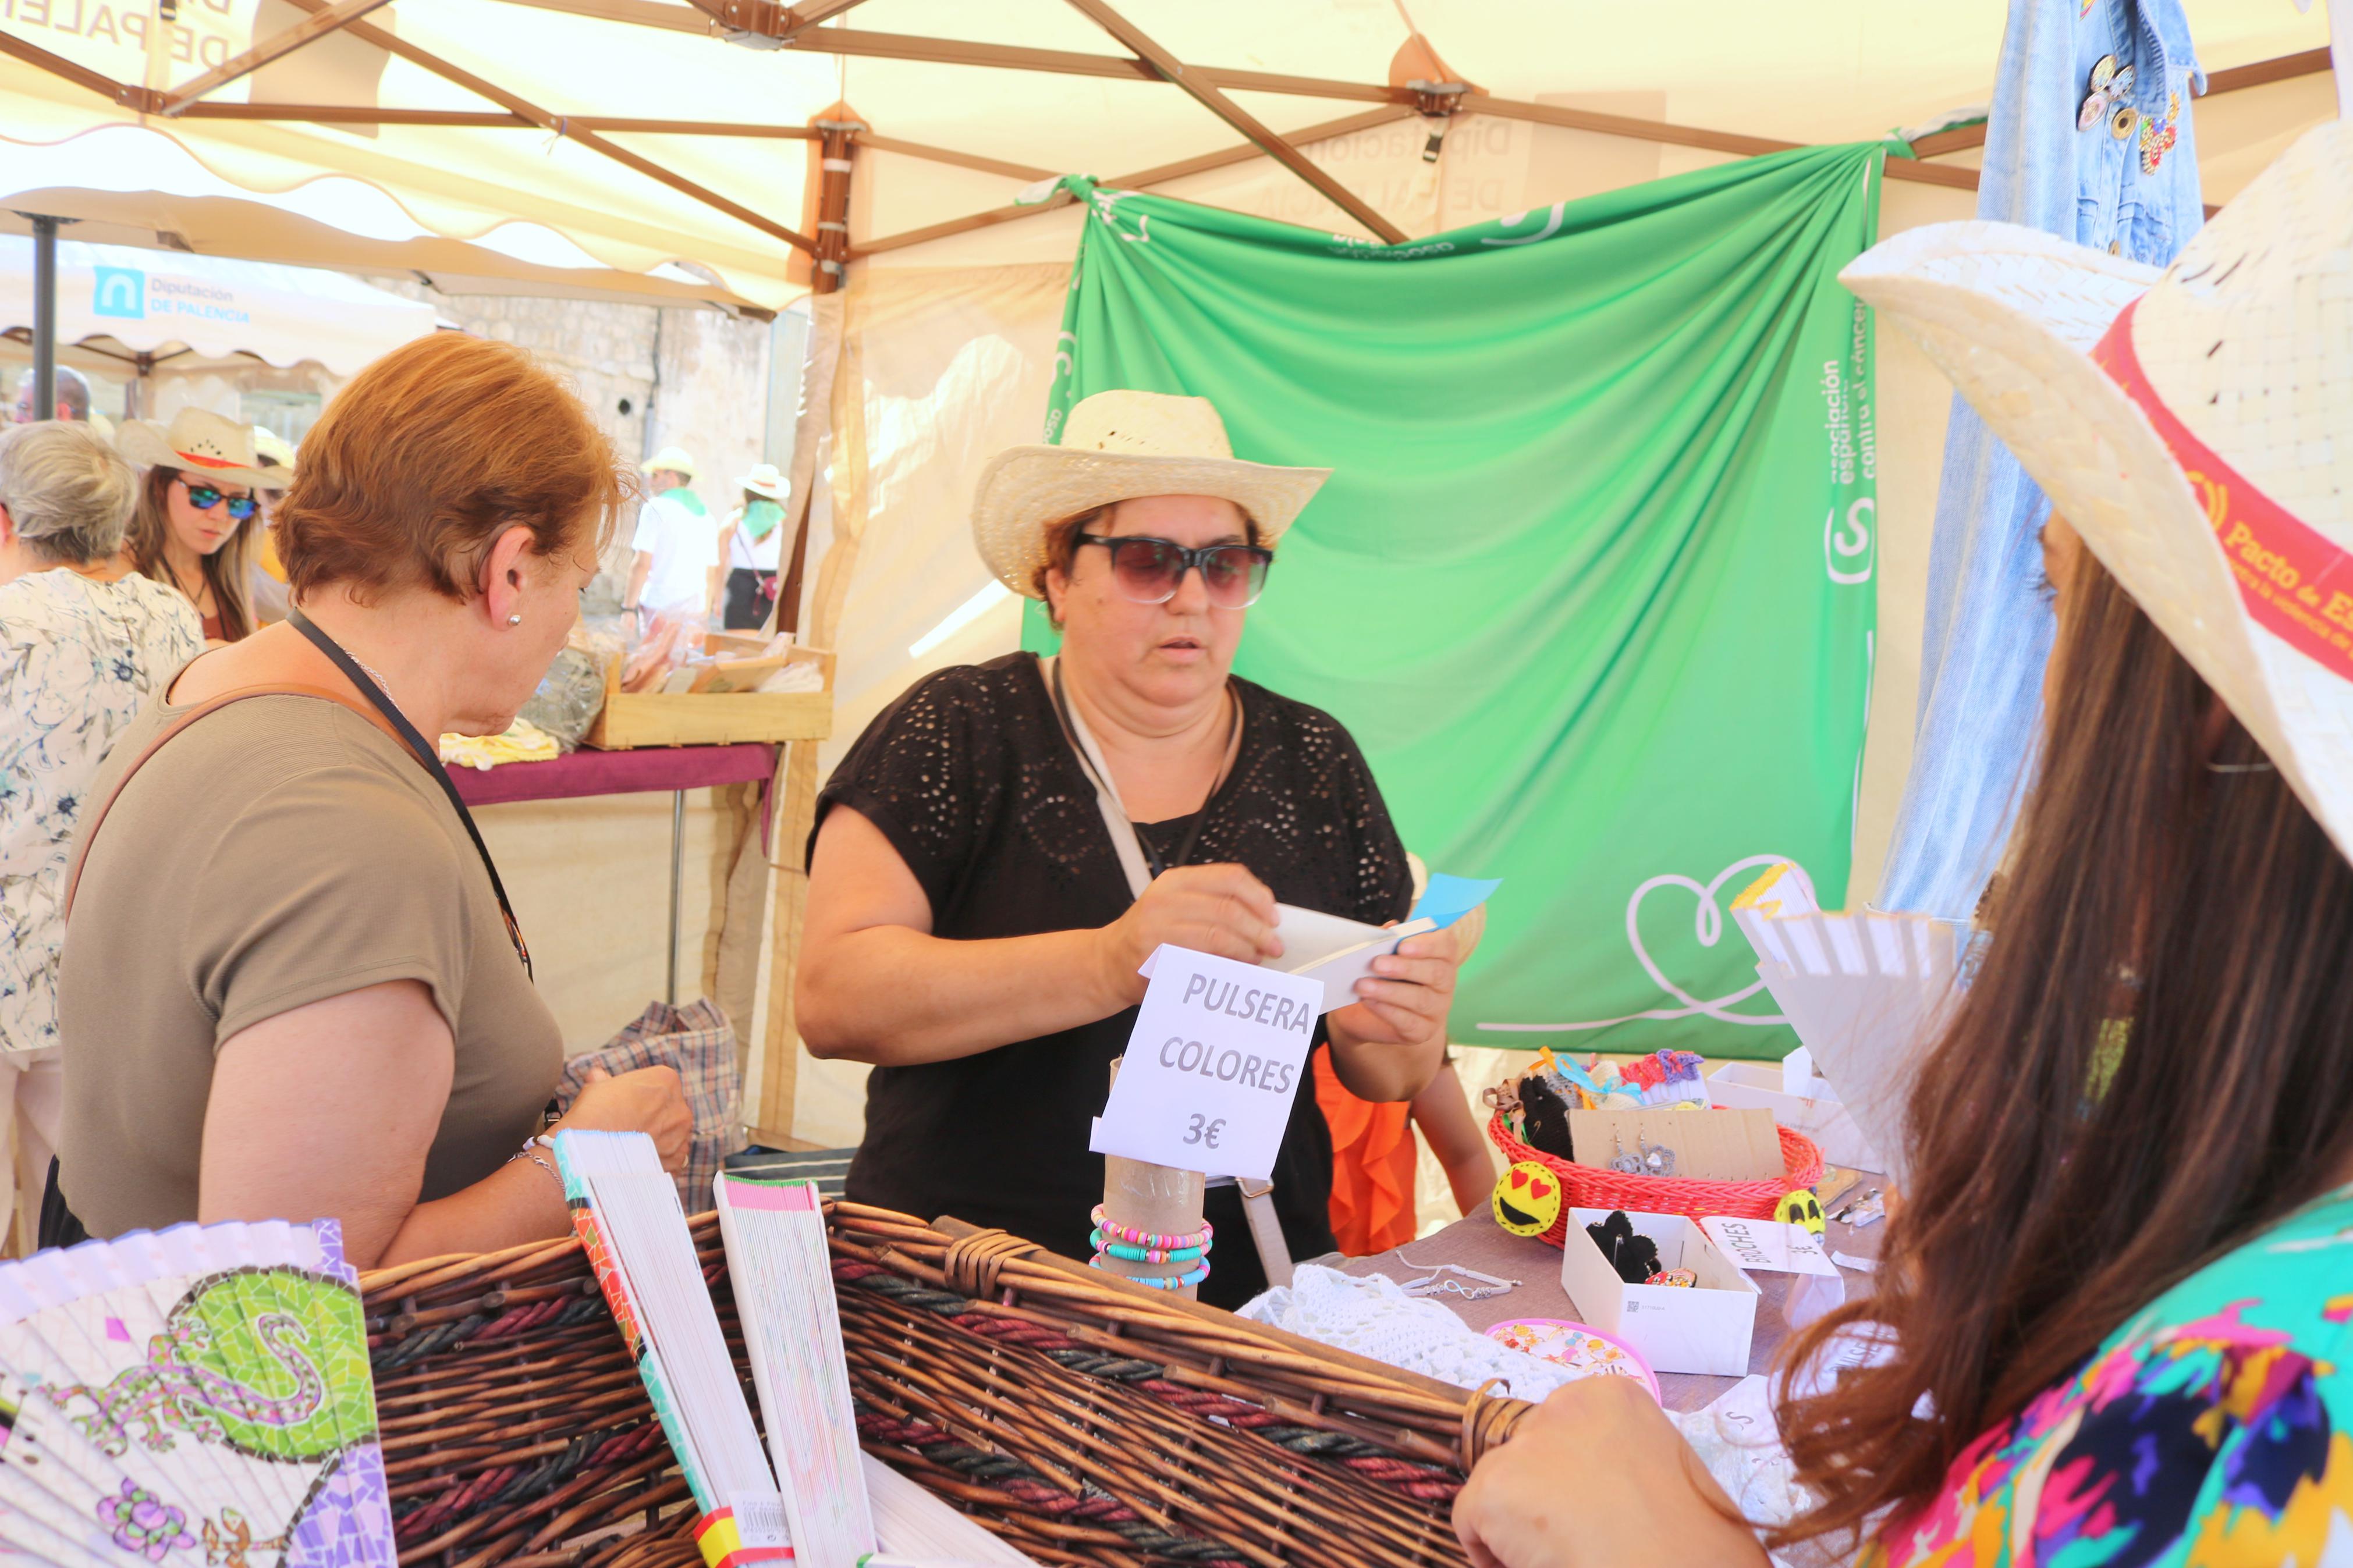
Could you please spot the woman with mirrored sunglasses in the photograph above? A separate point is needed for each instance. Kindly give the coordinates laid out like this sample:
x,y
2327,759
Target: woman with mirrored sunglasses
x,y
1006,843
198,514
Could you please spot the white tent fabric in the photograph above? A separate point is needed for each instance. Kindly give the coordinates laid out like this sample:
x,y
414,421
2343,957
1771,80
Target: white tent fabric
x,y
154,302
1841,69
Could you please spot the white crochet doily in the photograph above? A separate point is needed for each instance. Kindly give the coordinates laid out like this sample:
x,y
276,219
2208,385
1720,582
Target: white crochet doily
x,y
1370,1316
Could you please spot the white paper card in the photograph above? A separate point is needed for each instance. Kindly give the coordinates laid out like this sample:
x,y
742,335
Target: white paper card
x,y
1219,1052
1772,1245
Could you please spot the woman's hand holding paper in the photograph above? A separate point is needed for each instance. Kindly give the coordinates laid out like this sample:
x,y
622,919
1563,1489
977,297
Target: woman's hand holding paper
x,y
1388,1043
1220,910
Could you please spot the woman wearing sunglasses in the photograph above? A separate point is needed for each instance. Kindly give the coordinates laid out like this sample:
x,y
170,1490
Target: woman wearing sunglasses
x,y
1006,843
196,517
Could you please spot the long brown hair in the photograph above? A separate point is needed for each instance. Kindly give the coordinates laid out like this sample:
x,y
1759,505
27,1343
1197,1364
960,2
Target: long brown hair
x,y
223,569
2165,889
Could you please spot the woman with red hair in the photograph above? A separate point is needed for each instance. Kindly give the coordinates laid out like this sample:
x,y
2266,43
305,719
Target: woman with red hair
x,y
293,987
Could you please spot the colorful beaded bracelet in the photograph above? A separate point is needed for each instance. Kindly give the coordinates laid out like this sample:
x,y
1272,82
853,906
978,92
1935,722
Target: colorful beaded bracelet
x,y
1135,1237
1194,1278
1120,1249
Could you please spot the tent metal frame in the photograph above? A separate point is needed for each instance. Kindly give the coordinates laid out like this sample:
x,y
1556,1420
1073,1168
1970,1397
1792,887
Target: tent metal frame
x,y
797,26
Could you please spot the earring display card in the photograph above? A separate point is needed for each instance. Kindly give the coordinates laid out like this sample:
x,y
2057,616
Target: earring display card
x,y
1702,1328
1711,1145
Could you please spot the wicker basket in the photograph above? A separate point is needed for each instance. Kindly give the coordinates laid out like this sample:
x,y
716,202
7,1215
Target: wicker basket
x,y
1593,1187
1083,1419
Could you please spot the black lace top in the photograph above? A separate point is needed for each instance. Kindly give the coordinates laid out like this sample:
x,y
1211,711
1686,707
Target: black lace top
x,y
970,779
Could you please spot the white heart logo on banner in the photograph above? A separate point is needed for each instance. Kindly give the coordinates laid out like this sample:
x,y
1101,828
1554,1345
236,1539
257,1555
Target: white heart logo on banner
x,y
1707,925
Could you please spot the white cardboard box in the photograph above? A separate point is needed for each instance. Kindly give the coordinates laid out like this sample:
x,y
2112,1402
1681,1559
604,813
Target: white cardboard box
x,y
1702,1329
1757,1085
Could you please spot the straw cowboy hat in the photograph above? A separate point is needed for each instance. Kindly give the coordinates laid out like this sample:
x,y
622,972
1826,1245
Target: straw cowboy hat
x,y
2195,427
765,480
1119,446
200,443
271,447
674,458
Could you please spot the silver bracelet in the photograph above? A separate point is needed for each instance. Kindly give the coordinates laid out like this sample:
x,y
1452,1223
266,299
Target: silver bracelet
x,y
530,1152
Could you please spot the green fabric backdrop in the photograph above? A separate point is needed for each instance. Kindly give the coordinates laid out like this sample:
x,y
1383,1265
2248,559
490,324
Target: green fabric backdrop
x,y
1593,580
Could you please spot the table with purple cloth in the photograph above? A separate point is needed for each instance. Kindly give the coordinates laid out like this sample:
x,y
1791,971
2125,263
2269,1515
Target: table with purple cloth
x,y
654,769
1477,1242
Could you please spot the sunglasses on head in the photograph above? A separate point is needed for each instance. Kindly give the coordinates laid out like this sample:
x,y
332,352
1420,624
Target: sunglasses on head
x,y
203,498
1149,570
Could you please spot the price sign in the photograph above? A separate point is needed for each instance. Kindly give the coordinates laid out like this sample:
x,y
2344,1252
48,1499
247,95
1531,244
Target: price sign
x,y
1219,1052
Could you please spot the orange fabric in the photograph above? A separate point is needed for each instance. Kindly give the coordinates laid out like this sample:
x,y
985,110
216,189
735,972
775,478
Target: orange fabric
x,y
1372,1167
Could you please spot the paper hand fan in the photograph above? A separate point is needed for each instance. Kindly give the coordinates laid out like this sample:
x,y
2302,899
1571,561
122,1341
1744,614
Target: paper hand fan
x,y
200,1396
1866,993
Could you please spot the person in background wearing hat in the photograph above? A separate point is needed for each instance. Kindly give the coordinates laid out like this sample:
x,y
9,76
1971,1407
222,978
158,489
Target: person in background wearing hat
x,y
198,514
751,546
2115,1311
265,584
84,643
980,894
676,572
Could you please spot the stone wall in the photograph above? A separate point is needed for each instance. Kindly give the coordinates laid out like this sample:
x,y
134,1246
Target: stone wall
x,y
652,377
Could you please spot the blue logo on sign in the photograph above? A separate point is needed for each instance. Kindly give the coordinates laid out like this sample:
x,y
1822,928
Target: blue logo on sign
x,y
120,292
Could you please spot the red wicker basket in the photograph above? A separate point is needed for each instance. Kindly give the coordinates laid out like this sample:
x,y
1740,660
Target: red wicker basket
x,y
1591,1187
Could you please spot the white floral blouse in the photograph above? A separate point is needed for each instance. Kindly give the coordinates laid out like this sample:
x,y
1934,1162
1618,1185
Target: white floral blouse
x,y
79,660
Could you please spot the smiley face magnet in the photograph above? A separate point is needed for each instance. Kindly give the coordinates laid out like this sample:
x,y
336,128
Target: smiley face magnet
x,y
1527,1199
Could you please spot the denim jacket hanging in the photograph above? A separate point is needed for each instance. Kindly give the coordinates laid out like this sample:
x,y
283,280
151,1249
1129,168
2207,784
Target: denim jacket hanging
x,y
2076,146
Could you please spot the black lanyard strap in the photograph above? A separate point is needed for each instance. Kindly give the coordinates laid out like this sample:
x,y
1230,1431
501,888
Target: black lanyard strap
x,y
1184,850
428,756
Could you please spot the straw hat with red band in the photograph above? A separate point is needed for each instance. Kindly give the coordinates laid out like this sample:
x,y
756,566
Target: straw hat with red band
x,y
203,445
2195,427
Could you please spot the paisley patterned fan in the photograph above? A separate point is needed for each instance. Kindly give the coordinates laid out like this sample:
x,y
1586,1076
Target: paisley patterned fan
x,y
198,1397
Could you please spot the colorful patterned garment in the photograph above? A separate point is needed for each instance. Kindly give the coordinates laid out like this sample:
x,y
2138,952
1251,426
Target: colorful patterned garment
x,y
79,660
2215,1430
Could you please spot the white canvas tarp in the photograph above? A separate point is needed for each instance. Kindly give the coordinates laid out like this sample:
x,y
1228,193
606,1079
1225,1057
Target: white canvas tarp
x,y
155,303
470,164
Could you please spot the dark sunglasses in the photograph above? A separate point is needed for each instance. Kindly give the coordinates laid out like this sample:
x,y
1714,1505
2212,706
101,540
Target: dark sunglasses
x,y
203,498
1149,570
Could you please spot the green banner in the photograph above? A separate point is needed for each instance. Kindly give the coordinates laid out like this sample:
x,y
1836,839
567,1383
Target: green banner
x,y
1593,580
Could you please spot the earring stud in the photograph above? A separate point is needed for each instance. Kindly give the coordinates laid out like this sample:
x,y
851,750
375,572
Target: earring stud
x,y
515,620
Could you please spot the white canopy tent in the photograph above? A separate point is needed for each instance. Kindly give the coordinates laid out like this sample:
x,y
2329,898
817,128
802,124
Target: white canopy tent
x,y
135,309
638,134
885,146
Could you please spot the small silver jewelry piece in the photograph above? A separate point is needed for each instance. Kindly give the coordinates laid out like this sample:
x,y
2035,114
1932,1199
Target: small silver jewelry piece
x,y
515,619
373,674
1622,1163
1436,1281
1658,1160
529,1152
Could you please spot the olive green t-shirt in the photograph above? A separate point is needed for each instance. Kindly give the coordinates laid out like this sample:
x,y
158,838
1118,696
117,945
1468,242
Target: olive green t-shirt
x,y
277,852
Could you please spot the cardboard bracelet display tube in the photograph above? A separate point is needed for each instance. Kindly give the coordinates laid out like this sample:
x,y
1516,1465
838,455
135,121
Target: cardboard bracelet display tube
x,y
1158,1200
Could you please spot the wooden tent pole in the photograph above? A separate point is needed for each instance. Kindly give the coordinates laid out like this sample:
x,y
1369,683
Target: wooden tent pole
x,y
1206,93
774,1083
458,76
1140,180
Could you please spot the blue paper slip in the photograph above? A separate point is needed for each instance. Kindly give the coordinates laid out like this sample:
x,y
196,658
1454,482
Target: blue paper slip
x,y
1448,898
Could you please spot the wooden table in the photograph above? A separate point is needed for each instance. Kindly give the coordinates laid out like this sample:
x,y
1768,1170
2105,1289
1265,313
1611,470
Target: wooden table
x,y
1477,1242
